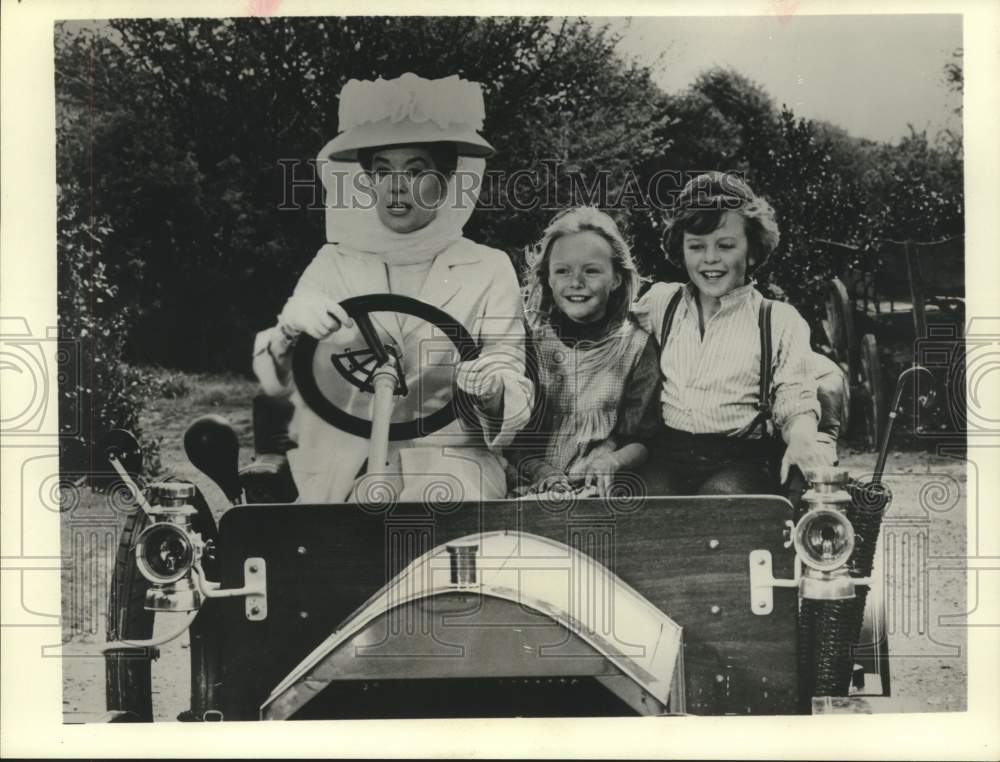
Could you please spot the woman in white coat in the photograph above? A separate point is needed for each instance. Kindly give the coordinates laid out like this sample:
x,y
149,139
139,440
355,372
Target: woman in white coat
x,y
402,179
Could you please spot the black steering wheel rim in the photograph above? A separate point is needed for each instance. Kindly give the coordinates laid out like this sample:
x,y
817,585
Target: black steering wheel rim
x,y
357,307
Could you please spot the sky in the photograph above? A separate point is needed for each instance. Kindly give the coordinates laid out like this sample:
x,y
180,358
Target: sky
x,y
872,75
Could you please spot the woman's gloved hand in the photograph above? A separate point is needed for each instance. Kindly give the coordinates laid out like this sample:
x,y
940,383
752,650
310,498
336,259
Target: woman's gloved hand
x,y
484,376
317,316
503,396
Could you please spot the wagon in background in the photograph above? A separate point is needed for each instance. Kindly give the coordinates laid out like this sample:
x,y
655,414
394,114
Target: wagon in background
x,y
878,313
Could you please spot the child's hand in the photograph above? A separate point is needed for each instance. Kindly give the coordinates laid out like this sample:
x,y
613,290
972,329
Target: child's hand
x,y
804,452
317,316
553,481
599,472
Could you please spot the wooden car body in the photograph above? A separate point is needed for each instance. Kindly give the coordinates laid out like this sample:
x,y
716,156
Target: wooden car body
x,y
687,557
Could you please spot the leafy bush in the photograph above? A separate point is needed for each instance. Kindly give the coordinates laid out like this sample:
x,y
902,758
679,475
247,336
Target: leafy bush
x,y
107,393
813,200
169,385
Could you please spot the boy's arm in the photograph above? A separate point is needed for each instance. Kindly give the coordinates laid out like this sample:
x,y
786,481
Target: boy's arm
x,y
796,407
648,309
794,373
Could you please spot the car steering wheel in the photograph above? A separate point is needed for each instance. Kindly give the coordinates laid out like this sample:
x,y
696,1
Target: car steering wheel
x,y
358,366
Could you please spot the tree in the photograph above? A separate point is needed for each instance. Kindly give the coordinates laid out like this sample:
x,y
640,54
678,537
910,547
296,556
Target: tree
x,y
723,121
177,132
915,189
192,120
815,197
954,75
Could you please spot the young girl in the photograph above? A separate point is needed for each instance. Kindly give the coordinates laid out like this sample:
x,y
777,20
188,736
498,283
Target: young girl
x,y
714,439
597,369
398,180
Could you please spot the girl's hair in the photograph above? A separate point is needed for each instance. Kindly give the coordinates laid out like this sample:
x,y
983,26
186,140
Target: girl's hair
x,y
444,154
700,209
538,301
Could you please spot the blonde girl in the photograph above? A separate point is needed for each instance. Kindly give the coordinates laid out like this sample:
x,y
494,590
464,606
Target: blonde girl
x,y
597,369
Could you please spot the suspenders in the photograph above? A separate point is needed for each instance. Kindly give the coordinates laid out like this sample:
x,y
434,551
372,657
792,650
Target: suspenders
x,y
766,352
668,316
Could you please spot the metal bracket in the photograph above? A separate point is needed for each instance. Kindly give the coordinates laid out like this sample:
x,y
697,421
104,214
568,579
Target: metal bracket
x,y
787,533
762,582
254,588
255,580
137,495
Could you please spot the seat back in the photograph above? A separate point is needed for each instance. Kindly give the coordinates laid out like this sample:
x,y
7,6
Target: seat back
x,y
833,393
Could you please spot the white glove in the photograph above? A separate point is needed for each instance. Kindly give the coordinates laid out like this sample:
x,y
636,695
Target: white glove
x,y
483,377
497,380
317,316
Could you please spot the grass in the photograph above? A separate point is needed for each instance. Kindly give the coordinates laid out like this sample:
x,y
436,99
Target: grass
x,y
178,399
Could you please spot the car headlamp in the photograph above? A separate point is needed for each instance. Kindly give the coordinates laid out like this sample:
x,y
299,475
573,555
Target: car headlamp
x,y
164,553
824,539
167,550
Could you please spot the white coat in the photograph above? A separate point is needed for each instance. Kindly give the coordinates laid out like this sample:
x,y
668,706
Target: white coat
x,y
474,284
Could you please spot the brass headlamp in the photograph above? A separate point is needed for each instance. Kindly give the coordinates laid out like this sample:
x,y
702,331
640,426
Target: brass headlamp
x,y
824,537
168,549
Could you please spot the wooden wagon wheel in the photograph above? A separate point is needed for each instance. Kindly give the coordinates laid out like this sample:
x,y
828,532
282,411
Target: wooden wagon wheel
x,y
873,391
128,671
839,326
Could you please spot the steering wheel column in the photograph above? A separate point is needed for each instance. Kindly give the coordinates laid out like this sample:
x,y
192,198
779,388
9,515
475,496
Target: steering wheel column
x,y
385,380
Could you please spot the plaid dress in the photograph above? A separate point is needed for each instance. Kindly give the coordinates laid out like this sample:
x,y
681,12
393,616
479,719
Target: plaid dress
x,y
593,393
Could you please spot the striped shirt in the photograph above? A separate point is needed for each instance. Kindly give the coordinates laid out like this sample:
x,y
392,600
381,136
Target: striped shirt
x,y
711,384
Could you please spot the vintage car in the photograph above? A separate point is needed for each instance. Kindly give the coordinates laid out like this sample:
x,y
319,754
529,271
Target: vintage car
x,y
546,605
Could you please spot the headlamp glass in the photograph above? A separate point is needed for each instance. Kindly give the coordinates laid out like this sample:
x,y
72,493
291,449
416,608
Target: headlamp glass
x,y
164,553
824,539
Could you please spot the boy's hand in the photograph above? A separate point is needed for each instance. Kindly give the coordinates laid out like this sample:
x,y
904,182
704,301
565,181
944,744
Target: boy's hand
x,y
317,316
804,452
